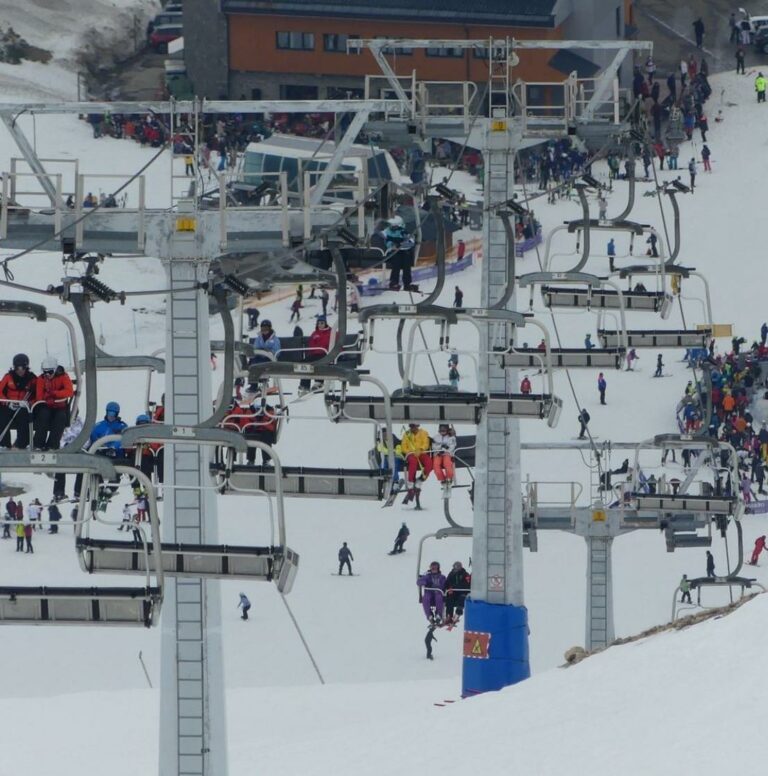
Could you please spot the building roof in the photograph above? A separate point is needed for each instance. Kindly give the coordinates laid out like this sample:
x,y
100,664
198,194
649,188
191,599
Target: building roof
x,y
519,13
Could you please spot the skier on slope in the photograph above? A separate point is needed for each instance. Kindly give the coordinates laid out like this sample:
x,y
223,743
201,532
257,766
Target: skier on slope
x,y
415,446
345,556
759,547
400,540
659,366
245,605
432,593
428,639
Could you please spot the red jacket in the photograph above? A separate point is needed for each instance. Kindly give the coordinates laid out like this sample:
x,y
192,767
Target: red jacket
x,y
55,391
319,342
15,388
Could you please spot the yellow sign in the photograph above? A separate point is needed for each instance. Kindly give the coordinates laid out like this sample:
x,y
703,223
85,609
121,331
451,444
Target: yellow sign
x,y
498,125
598,516
718,329
186,224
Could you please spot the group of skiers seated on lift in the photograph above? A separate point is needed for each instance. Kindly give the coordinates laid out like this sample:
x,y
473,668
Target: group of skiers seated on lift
x,y
419,453
44,399
442,598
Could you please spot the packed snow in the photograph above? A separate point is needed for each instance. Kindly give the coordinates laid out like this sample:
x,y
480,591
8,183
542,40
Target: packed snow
x,y
648,707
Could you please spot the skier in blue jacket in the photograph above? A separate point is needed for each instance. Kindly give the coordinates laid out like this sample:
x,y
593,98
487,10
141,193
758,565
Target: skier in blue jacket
x,y
112,423
245,605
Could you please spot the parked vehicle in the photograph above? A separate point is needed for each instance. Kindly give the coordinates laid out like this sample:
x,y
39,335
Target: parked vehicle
x,y
162,36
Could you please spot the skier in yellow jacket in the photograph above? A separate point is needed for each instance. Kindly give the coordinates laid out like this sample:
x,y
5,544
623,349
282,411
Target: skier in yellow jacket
x,y
416,445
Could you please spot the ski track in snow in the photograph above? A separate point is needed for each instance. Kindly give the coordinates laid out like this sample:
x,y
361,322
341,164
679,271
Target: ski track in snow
x,y
639,709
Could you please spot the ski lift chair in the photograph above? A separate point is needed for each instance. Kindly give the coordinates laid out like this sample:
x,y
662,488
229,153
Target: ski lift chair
x,y
56,605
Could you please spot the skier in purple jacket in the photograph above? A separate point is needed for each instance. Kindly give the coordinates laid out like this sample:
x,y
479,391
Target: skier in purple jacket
x,y
433,598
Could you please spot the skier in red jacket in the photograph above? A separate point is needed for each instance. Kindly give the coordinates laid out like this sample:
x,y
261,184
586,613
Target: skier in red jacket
x,y
759,547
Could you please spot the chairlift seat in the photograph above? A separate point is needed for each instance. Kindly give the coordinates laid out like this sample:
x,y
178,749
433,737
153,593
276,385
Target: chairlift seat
x,y
79,605
294,350
656,338
607,299
317,482
571,358
456,407
687,503
209,561
526,405
681,539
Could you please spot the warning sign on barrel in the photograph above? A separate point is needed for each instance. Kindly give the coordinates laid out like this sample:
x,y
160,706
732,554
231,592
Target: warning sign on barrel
x,y
476,644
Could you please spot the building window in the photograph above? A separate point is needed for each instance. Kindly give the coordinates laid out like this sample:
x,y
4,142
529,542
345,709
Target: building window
x,y
455,53
298,92
338,43
296,41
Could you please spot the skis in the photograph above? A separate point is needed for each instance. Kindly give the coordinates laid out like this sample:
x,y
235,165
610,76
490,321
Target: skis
x,y
396,552
397,488
336,574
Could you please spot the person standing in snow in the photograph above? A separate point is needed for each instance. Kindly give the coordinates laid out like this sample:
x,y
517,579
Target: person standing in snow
x,y
611,254
710,565
659,366
631,358
345,556
705,154
685,588
760,84
740,61
245,605
428,639
583,421
692,173
698,31
601,386
458,297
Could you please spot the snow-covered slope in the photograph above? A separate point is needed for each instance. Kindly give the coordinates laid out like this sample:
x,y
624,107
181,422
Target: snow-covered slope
x,y
366,632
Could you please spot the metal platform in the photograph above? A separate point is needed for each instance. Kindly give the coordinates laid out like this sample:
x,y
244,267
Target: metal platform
x,y
656,338
638,301
322,482
192,560
79,605
571,358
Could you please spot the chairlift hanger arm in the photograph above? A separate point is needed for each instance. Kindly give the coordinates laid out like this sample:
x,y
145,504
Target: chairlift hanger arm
x,y
82,309
670,192
220,295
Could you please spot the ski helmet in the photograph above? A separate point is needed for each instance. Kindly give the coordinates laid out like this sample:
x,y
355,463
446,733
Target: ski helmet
x,y
113,408
396,221
445,426
49,364
434,565
266,324
143,418
21,359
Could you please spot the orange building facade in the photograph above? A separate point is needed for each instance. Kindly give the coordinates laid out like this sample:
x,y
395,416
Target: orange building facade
x,y
296,49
